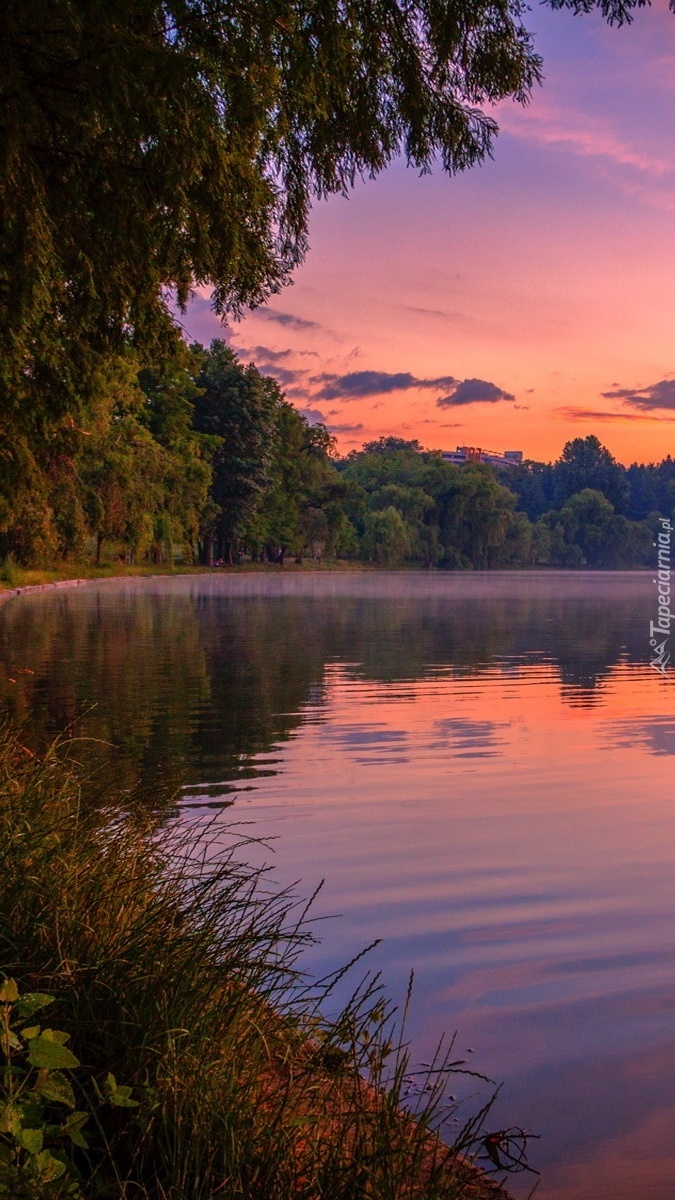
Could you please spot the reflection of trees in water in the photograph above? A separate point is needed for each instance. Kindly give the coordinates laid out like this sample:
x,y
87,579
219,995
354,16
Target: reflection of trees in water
x,y
197,683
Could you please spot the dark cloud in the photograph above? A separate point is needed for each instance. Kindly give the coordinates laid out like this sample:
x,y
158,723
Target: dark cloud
x,y
313,415
474,391
268,354
659,395
358,384
451,425
345,428
283,375
269,362
593,414
426,312
288,319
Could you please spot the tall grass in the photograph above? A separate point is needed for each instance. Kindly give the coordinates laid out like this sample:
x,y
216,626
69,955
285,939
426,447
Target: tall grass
x,y
176,967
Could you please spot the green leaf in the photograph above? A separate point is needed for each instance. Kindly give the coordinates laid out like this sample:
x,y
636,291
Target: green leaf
x,y
44,1052
9,992
56,1035
6,1117
48,1167
30,1032
121,1098
117,1095
30,1140
54,1086
73,1127
32,1002
13,1040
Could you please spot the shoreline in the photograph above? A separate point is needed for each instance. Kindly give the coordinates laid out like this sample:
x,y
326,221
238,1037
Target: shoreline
x,y
8,590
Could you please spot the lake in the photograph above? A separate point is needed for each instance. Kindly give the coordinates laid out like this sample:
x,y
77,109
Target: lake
x,y
480,767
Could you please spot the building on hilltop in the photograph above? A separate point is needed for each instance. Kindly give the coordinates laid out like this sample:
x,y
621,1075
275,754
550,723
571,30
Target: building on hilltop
x,y
466,454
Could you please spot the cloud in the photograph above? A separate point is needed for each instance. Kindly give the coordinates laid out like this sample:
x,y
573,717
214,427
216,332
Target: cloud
x,y
426,312
345,428
288,319
659,395
592,414
550,125
313,415
283,375
276,355
474,391
358,384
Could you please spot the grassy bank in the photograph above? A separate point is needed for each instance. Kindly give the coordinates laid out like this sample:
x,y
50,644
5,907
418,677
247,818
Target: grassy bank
x,y
12,577
174,970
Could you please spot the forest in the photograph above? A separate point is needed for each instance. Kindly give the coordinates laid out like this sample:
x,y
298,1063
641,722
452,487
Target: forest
x,y
199,458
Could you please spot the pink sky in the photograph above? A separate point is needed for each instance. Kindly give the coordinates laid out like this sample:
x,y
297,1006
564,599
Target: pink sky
x,y
541,281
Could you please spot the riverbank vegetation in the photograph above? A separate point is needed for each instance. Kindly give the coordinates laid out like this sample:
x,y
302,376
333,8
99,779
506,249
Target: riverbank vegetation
x,y
200,458
157,1035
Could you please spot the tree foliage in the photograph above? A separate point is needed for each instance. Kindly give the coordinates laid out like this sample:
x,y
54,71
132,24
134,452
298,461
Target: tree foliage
x,y
152,145
199,455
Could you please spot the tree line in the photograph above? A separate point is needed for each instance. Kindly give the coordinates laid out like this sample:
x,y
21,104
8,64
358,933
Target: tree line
x,y
202,458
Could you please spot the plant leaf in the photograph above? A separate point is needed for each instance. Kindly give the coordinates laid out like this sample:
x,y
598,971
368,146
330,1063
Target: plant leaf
x,y
32,1002
119,1096
73,1127
30,1139
54,1086
43,1052
48,1167
9,992
56,1035
30,1032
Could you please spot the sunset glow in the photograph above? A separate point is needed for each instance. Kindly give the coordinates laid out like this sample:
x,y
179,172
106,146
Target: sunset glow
x,y
544,278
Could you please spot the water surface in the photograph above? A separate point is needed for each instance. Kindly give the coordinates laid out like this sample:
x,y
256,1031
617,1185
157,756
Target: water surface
x,y
481,769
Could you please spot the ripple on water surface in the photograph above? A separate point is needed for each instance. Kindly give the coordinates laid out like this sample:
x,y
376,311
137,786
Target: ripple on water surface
x,y
481,770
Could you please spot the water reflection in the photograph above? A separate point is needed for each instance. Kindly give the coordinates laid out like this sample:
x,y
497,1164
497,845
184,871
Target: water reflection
x,y
478,767
218,671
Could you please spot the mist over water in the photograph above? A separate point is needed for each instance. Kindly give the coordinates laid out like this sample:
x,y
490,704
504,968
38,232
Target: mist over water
x,y
481,769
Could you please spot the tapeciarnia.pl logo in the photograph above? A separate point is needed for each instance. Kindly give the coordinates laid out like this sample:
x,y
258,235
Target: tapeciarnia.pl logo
x,y
661,655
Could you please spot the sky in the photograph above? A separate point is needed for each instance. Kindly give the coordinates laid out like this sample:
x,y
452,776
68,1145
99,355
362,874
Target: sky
x,y
513,307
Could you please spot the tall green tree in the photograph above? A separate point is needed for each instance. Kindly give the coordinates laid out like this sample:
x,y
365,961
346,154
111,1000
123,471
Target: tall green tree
x,y
586,463
237,406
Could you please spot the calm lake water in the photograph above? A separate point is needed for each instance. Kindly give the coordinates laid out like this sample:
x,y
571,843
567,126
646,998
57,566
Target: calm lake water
x,y
481,769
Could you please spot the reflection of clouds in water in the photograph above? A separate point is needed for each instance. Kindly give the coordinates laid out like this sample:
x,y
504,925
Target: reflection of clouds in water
x,y
462,737
357,736
656,734
613,1140
376,738
470,739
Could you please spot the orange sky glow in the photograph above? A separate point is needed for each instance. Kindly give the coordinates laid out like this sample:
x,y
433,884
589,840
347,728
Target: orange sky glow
x,y
542,281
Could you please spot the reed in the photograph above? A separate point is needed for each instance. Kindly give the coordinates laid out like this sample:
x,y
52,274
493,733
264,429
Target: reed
x,y
176,972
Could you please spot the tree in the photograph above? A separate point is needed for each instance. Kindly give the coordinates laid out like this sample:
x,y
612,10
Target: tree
x,y
617,12
587,531
157,144
301,510
237,406
479,522
586,463
387,539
